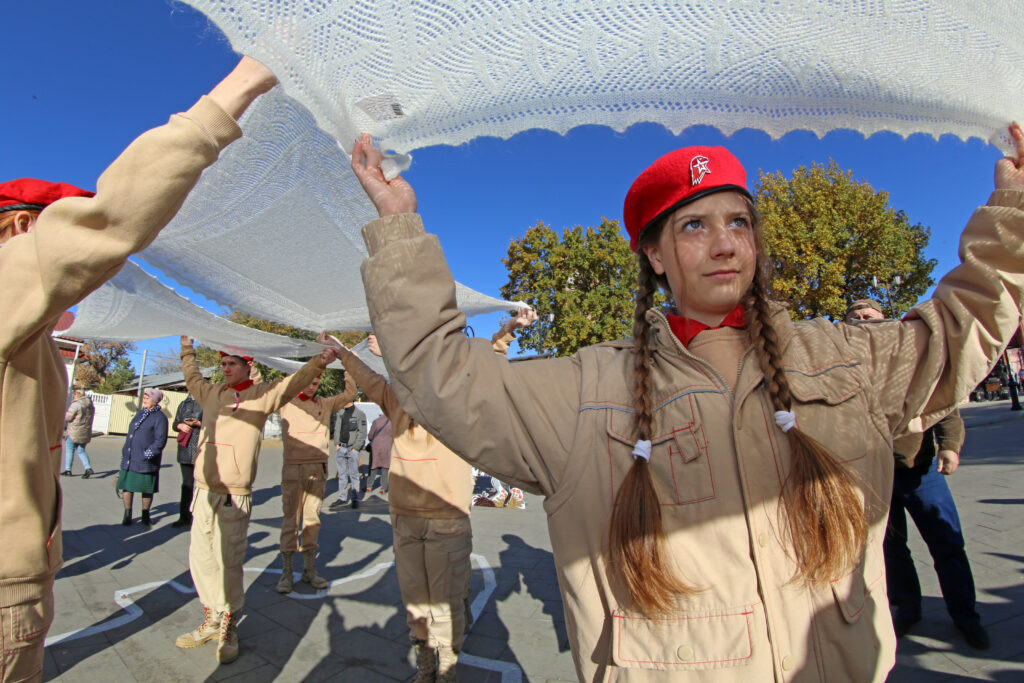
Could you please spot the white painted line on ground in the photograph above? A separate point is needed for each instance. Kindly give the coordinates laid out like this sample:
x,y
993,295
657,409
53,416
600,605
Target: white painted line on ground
x,y
510,672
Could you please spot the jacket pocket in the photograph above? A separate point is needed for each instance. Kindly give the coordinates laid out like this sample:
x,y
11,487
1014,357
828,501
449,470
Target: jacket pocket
x,y
851,592
708,639
679,455
830,407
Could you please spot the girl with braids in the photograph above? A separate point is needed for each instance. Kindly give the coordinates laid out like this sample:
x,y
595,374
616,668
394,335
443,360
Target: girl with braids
x,y
717,487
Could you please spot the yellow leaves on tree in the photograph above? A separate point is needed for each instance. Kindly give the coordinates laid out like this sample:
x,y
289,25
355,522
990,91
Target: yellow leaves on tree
x,y
832,240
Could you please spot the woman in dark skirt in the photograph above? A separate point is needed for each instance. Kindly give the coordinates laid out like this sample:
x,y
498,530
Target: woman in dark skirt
x,y
140,456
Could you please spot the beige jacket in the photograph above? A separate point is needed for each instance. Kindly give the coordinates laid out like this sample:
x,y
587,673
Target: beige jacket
x,y
426,478
78,243
232,431
305,425
563,428
79,420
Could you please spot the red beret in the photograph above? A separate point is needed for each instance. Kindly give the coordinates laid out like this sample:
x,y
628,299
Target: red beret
x,y
676,179
31,194
247,359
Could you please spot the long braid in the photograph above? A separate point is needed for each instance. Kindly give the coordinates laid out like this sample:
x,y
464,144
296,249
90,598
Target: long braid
x,y
827,521
635,534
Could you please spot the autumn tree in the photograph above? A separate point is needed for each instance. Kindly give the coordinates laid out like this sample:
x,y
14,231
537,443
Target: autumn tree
x,y
833,240
581,283
105,367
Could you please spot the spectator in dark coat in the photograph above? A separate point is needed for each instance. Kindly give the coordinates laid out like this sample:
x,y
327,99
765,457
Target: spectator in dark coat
x,y
187,421
380,453
141,454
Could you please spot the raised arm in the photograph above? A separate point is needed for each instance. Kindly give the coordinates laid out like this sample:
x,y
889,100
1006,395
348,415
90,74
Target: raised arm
x,y
504,337
506,419
339,401
78,243
194,380
287,388
925,365
373,384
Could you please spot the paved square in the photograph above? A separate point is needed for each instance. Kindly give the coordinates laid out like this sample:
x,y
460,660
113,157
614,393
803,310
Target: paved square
x,y
125,593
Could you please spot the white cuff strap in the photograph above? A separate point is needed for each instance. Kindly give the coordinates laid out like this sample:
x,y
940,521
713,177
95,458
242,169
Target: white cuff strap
x,y
642,449
786,419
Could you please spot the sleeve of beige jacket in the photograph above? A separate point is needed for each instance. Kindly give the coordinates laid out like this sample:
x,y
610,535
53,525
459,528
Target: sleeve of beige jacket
x,y
335,403
80,242
285,389
924,366
376,388
501,341
194,380
72,411
514,420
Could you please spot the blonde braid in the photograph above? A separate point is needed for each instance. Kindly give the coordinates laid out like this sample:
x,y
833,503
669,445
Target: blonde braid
x,y
635,534
827,521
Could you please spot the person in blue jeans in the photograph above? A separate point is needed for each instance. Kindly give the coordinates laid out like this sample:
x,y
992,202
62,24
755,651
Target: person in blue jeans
x,y
78,432
920,488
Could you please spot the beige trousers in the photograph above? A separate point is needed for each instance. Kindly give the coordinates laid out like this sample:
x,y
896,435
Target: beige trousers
x,y
22,633
302,496
432,562
220,524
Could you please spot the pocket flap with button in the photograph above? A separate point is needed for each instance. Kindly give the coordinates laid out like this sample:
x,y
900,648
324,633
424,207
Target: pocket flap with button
x,y
708,639
681,475
832,385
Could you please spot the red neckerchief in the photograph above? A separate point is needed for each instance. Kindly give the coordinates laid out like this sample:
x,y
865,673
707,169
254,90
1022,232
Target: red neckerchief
x,y
303,397
686,329
241,386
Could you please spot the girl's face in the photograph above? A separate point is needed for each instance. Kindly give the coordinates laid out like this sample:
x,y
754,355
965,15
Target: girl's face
x,y
706,252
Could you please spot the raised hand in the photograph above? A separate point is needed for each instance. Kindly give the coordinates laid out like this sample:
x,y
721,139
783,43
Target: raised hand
x,y
329,340
240,88
328,355
524,318
186,340
1010,170
390,197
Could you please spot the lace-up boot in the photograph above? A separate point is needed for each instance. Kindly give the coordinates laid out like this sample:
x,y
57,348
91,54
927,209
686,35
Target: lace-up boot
x,y
206,631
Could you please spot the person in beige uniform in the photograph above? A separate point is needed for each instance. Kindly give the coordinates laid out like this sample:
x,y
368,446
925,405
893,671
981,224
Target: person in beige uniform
x,y
702,529
234,412
305,426
60,243
430,495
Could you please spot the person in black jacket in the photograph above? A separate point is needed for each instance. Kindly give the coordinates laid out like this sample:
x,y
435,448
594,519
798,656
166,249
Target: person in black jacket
x,y
141,454
187,421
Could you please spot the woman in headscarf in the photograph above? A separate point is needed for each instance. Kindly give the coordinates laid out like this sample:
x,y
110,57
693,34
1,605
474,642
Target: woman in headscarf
x,y
141,454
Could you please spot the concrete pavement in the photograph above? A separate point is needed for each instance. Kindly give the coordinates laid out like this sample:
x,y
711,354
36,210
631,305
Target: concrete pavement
x,y
125,593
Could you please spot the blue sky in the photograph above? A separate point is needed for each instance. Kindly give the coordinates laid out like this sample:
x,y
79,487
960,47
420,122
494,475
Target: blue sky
x,y
85,78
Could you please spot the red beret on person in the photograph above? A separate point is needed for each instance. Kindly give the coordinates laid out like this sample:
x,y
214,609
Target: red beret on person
x,y
247,359
679,178
30,194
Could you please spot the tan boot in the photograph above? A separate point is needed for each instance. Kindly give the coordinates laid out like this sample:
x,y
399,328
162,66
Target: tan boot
x,y
227,646
447,659
426,663
206,631
309,574
287,577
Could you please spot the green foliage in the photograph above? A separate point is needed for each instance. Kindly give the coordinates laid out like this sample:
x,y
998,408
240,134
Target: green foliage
x,y
586,278
331,382
104,366
830,238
